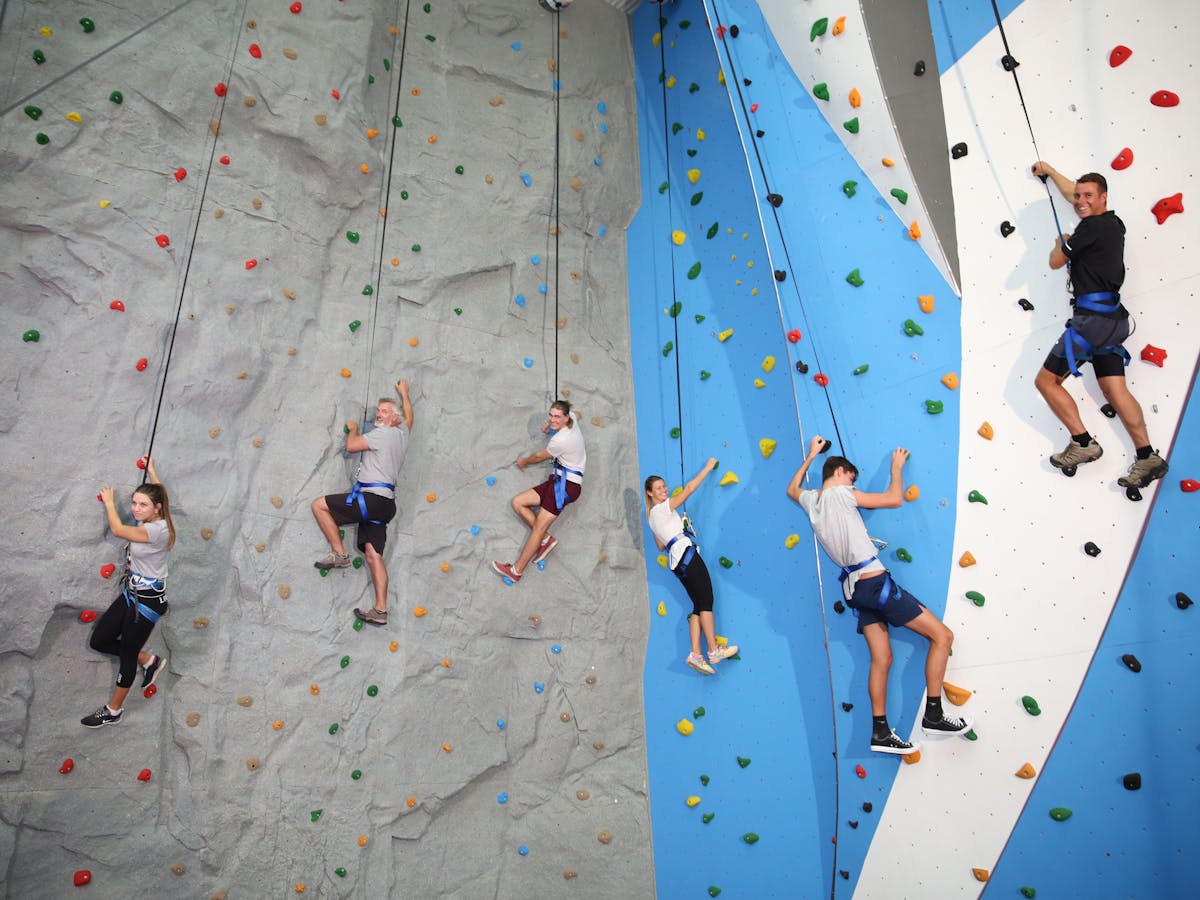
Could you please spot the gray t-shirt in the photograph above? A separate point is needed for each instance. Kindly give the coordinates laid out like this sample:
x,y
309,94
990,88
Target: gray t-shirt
x,y
839,527
149,559
382,460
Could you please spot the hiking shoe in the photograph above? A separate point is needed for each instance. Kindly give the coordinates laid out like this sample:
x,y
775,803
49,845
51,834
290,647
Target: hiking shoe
x,y
1144,471
696,661
945,725
151,672
1074,455
333,561
506,570
893,743
548,544
102,717
715,656
372,616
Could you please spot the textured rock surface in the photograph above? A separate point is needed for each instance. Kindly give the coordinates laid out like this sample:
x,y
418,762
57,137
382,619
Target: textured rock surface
x,y
249,432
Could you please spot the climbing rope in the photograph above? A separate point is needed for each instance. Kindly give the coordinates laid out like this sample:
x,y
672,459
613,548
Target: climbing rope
x,y
557,177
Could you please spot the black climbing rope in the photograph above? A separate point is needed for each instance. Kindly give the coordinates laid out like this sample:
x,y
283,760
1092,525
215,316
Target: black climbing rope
x,y
557,177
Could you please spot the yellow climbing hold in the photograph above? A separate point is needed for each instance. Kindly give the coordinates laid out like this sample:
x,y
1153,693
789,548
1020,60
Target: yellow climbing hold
x,y
768,364
855,98
677,490
766,447
722,641
685,727
728,478
104,204
671,82
693,175
693,800
662,560
678,237
912,493
950,380
925,301
45,31
887,161
956,695
966,559
986,432
725,335
700,135
914,231
662,608
657,39
839,26
1026,771
720,76
791,541
759,383
74,117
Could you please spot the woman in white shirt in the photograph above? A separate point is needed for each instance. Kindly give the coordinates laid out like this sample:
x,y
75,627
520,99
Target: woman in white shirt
x,y
675,538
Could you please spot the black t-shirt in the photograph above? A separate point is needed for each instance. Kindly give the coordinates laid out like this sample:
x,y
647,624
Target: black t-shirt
x,y
1097,254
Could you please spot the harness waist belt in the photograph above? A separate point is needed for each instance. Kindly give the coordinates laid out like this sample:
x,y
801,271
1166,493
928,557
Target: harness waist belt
x,y
560,483
1098,301
889,587
356,494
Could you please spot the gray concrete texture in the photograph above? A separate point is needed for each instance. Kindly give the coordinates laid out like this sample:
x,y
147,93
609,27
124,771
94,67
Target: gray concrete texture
x,y
250,430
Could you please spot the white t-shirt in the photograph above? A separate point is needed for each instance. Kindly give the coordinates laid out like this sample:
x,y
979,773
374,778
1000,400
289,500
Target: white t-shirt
x,y
839,527
382,460
149,559
666,523
567,447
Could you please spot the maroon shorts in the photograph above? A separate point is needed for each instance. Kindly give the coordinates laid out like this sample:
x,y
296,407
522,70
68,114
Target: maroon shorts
x,y
545,492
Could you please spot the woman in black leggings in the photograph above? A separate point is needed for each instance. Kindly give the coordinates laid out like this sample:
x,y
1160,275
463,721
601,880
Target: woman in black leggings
x,y
125,627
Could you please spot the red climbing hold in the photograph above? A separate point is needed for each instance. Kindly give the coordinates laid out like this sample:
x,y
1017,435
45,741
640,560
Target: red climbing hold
x,y
721,29
251,263
295,8
220,90
180,173
82,877
1189,485
106,570
224,160
67,767
1167,207
87,615
1119,54
822,379
117,305
1153,354
1123,160
860,771
1164,98
141,463
256,51
753,107
335,95
141,364
144,775
150,691
794,335
162,240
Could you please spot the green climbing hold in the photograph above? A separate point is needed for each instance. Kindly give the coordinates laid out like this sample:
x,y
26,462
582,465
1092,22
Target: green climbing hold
x,y
34,112
685,24
32,336
855,278
976,497
358,562
1060,814
713,890
370,79
316,814
662,188
933,407
342,533
704,376
355,325
1028,892
750,837
1031,706
900,195
712,230
397,122
668,347
42,138
345,661
358,625
676,128
697,197
333,729
458,170
852,125
743,761
707,817
675,432
427,7
323,572
697,713
693,87
458,310
912,329
849,188
356,774
862,370
699,318
819,28
676,309
352,237
387,64
416,248
117,97
903,555
694,272
404,195
340,872
430,38
971,735
87,25
726,562
976,597
367,290
821,91
39,57
372,690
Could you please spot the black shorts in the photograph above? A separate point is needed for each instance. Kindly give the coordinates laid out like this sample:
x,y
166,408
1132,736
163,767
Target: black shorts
x,y
545,492
381,509
900,609
1099,331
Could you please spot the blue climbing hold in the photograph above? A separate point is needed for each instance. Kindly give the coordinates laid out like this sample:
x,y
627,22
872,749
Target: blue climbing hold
x,y
507,581
542,288
538,687
602,230
523,850
491,480
501,724
556,84
516,45
536,260
596,161
604,128
525,178
602,108
475,529
528,363
541,565
502,797
519,299
555,648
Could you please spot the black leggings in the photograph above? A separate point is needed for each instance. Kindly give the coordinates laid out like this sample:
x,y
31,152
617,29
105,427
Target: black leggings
x,y
123,632
697,583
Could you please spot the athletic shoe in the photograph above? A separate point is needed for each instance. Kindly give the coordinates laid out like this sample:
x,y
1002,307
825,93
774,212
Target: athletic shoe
x,y
1074,455
373,616
333,561
893,743
548,544
151,672
102,717
696,661
1144,471
715,656
506,570
945,725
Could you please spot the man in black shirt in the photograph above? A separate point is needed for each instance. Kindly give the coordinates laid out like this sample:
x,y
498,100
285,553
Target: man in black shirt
x,y
1098,327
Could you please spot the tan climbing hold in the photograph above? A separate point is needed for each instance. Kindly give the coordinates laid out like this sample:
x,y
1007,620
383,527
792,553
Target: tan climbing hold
x,y
981,874
912,758
419,611
178,868
888,162
260,546
193,719
214,126
966,559
912,493
568,874
576,184
591,679
950,380
320,119
213,432
496,101
956,695
245,701
488,179
230,309
1026,771
200,622
855,98
598,745
253,764
284,591
289,52
242,375
575,358
577,133
535,620
552,65
218,213
597,422
583,795
277,502
256,442
206,533
564,717
250,101
561,322
291,351
985,431
914,231
604,837
372,133
289,293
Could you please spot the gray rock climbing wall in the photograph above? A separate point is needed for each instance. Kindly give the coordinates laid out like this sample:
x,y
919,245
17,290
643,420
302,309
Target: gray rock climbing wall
x,y
252,301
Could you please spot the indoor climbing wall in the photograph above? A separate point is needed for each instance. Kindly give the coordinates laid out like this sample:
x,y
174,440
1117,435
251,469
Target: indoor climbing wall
x,y
229,228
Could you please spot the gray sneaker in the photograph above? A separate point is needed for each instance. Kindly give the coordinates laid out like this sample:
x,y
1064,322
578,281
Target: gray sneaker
x,y
333,561
372,615
1144,471
1074,455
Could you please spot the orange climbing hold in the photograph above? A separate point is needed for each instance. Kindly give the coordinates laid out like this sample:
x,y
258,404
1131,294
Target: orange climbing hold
x,y
362,840
366,170
433,139
445,567
914,231
925,301
956,695
912,758
887,161
345,373
950,380
372,133
986,432
445,663
839,26
446,747
410,802
1026,771
966,559
855,98
419,611
412,342
416,92
912,493
981,874
430,497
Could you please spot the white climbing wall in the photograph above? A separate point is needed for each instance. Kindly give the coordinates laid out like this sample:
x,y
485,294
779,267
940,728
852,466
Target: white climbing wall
x,y
1046,601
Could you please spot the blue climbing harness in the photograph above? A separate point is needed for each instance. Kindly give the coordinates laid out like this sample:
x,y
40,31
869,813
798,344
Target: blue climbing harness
x,y
689,554
560,484
1105,303
356,494
140,583
889,590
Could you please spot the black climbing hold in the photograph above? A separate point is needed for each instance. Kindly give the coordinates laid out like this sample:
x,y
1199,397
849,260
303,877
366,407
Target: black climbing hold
x,y
846,707
825,447
801,367
844,874
853,823
776,200
1008,62
959,150
1132,662
759,133
1091,549
780,275
1028,892
733,31
1007,228
919,68
746,82
839,607
1132,781
867,807
1025,305
1182,600
1133,494
1108,411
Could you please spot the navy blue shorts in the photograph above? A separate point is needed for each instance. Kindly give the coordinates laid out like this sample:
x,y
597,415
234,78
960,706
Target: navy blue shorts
x,y
900,609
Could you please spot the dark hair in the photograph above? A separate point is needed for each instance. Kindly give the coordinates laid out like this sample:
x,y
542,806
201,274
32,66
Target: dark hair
x,y
833,463
1094,178
158,496
565,408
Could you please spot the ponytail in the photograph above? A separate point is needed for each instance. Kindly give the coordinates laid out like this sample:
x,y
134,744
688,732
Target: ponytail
x,y
158,496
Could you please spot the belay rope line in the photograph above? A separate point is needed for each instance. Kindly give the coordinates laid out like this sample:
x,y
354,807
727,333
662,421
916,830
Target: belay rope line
x,y
554,215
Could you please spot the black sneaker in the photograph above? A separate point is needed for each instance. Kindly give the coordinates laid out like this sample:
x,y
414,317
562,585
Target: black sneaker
x,y
151,672
101,717
892,743
945,725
